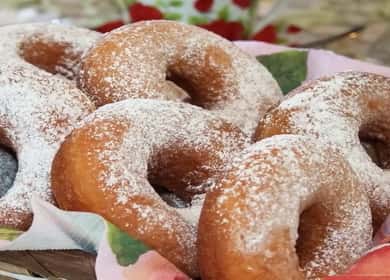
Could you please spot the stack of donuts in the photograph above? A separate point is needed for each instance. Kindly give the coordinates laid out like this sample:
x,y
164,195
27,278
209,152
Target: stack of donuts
x,y
186,143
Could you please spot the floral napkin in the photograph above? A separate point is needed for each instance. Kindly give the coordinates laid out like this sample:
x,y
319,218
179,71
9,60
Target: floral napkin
x,y
232,19
118,255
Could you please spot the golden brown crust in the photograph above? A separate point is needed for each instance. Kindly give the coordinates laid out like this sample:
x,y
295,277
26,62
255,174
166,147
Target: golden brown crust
x,y
52,57
141,60
37,109
107,167
337,110
285,210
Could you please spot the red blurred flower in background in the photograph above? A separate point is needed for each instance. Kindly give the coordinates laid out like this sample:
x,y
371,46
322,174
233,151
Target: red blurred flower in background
x,y
231,30
267,34
293,29
140,12
203,5
137,12
111,25
242,3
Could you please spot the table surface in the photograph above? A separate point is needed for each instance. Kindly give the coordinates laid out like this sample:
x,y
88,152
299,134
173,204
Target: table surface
x,y
52,264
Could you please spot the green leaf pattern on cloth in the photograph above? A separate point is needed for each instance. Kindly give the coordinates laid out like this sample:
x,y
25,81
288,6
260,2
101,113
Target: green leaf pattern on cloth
x,y
126,249
172,16
224,13
289,68
9,234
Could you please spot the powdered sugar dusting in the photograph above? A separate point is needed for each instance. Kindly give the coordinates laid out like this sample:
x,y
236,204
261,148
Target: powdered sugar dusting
x,y
157,132
335,110
262,197
135,61
74,40
37,110
155,126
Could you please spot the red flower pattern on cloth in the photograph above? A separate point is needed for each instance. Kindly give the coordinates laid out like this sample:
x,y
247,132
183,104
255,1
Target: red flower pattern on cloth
x,y
140,12
203,6
293,29
230,30
108,26
267,34
242,3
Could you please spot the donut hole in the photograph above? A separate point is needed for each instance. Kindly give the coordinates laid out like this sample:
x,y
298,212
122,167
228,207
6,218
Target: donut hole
x,y
312,228
203,77
180,173
189,90
180,89
375,142
8,169
176,201
171,198
53,57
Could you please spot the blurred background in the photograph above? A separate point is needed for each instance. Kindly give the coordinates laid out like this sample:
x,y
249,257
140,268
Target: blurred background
x,y
356,28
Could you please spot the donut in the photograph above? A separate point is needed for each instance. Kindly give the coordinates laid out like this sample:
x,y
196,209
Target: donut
x,y
37,110
159,59
54,48
109,164
344,110
285,210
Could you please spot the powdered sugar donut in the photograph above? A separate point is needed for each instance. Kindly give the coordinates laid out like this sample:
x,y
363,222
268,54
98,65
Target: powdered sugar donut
x,y
107,166
337,110
53,47
37,110
141,60
285,210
